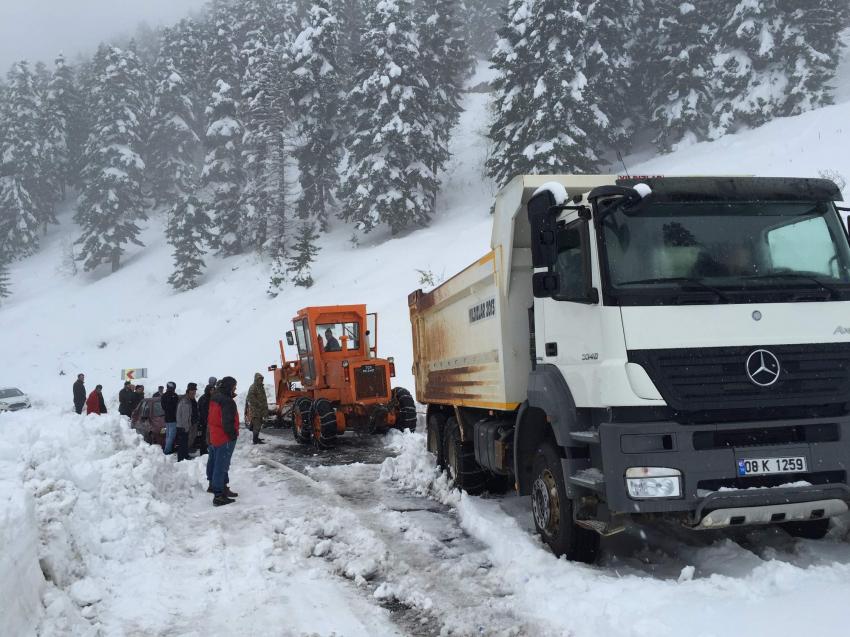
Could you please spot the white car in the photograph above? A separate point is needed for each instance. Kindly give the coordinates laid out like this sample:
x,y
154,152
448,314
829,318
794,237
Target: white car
x,y
13,399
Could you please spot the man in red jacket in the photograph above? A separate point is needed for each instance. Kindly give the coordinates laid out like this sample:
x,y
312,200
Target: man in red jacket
x,y
95,403
223,428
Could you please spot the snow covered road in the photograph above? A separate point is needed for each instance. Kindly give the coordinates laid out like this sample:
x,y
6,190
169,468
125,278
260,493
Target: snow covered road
x,y
109,537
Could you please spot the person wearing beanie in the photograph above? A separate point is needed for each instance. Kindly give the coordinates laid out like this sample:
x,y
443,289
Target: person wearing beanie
x,y
169,402
223,427
125,399
80,393
185,426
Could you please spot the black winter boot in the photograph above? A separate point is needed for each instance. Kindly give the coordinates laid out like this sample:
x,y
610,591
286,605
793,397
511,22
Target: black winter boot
x,y
221,499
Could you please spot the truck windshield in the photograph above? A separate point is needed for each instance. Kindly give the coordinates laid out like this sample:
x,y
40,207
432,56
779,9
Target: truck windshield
x,y
724,252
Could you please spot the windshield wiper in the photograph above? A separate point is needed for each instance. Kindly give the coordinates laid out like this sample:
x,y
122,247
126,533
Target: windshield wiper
x,y
680,280
796,275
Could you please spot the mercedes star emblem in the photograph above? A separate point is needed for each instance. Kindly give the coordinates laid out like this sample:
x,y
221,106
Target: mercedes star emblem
x,y
763,368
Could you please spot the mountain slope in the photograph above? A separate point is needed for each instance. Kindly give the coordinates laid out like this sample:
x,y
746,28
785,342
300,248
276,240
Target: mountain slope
x,y
56,325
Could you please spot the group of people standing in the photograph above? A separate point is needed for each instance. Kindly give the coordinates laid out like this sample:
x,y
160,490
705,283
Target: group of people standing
x,y
93,402
213,418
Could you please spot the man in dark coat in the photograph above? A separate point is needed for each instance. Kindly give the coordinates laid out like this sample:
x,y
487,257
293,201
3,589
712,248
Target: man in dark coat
x,y
185,426
125,399
331,344
138,396
79,393
169,402
223,423
203,414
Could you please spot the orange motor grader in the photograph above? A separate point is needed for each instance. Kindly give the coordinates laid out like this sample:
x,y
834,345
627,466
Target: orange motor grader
x,y
337,382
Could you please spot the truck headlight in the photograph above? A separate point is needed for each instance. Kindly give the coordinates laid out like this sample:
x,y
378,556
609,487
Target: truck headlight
x,y
653,482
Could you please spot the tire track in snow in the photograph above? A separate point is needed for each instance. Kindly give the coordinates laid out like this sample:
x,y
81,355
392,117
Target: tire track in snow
x,y
407,550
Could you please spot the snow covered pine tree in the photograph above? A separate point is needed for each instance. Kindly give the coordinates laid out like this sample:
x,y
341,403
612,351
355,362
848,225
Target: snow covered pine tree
x,y
5,290
21,212
681,99
266,112
174,146
446,62
222,178
188,232
303,254
112,201
385,180
60,113
317,95
544,120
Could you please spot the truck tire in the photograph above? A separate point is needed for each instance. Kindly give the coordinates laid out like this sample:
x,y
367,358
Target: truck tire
x,y
301,412
435,428
324,424
810,530
464,472
553,510
406,409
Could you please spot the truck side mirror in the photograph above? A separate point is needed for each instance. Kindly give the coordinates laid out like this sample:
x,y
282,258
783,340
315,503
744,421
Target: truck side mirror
x,y
542,212
545,284
289,338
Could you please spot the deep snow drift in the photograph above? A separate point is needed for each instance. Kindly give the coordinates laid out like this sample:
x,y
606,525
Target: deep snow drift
x,y
103,535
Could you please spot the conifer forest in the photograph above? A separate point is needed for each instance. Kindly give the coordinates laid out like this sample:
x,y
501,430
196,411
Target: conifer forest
x,y
257,125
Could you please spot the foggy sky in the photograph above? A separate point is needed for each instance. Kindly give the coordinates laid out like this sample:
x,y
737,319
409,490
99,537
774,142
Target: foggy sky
x,y
39,29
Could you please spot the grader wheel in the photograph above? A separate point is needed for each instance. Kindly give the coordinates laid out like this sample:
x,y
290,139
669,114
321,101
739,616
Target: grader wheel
x,y
324,424
301,417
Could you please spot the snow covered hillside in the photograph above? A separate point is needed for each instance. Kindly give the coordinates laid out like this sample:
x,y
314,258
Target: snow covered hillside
x,y
100,323
130,544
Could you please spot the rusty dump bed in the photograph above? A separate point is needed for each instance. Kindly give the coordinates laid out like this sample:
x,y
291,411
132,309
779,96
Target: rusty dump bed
x,y
471,344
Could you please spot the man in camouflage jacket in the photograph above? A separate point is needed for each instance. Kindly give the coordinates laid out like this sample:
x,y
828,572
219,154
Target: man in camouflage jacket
x,y
258,406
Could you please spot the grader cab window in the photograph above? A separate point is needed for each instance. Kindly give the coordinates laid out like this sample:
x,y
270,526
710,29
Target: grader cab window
x,y
305,351
331,336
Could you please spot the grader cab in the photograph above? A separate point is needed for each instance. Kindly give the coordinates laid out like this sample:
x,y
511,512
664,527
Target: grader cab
x,y
336,381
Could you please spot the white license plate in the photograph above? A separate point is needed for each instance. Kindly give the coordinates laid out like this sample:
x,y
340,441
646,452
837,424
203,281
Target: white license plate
x,y
766,466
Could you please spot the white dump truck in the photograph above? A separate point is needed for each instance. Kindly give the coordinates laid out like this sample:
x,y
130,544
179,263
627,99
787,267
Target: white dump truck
x,y
649,346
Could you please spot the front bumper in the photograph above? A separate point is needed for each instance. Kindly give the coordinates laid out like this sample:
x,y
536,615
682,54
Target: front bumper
x,y
712,492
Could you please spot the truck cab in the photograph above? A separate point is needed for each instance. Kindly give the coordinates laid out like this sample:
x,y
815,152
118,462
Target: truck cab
x,y
661,346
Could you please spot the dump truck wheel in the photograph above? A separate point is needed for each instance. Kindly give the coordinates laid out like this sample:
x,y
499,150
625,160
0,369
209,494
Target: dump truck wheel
x,y
810,530
462,468
436,430
378,420
406,409
553,510
324,424
301,414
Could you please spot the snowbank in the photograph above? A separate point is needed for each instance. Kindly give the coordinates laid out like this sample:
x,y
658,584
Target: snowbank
x,y
102,534
21,581
82,491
